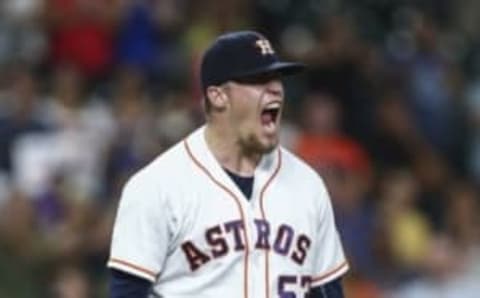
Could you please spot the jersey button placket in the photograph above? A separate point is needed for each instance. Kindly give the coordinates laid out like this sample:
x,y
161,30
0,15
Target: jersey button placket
x,y
248,208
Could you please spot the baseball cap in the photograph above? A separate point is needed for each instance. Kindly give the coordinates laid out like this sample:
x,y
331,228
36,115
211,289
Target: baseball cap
x,y
239,55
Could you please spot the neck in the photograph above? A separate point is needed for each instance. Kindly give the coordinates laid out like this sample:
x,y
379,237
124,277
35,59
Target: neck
x,y
229,152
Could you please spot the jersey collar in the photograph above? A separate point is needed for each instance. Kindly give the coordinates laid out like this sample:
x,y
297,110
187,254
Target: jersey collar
x,y
266,169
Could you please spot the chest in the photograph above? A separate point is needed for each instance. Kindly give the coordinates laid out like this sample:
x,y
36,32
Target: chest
x,y
220,221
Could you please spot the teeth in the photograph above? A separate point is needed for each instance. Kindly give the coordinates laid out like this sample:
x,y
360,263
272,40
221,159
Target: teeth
x,y
273,105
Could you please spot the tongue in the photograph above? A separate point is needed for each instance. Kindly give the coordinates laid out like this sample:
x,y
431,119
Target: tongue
x,y
266,118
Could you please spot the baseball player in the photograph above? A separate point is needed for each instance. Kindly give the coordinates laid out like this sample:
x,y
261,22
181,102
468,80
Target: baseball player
x,y
227,212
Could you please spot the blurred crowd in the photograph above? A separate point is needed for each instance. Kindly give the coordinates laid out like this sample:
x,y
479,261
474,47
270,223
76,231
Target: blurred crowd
x,y
388,113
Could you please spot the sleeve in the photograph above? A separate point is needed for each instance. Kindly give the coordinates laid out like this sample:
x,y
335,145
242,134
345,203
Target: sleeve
x,y
141,233
330,262
332,289
124,285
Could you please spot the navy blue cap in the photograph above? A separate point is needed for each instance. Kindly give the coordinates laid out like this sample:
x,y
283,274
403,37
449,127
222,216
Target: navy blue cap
x,y
239,55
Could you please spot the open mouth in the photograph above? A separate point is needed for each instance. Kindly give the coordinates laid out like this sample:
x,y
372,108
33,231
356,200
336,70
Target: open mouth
x,y
270,114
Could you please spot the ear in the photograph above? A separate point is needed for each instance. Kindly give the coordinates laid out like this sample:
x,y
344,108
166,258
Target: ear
x,y
217,98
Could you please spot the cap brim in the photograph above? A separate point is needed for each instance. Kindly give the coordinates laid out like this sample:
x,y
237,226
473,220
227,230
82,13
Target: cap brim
x,y
282,68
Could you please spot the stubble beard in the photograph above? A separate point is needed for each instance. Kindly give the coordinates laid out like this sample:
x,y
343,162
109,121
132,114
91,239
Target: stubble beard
x,y
252,145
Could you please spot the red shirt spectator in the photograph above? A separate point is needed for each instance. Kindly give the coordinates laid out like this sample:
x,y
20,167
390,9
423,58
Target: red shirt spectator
x,y
323,145
82,33
325,152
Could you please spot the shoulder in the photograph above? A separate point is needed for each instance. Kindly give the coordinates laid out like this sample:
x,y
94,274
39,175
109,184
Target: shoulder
x,y
298,169
163,172
304,179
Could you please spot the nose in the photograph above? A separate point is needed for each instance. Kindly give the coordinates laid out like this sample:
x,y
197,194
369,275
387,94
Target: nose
x,y
275,87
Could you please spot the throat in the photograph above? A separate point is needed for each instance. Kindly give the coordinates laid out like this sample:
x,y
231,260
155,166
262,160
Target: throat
x,y
232,153
245,184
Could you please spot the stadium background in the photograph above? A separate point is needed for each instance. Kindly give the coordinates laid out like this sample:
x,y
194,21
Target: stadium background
x,y
388,113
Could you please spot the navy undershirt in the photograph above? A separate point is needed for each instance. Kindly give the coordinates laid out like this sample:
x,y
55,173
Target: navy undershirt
x,y
244,183
125,285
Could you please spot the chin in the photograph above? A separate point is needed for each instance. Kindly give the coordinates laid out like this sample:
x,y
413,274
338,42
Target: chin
x,y
261,144
269,146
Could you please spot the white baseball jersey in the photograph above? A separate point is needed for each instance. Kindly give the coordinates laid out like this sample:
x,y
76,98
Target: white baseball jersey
x,y
183,224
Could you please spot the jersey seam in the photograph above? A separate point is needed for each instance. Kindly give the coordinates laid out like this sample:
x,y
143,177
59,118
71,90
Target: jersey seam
x,y
330,273
264,217
229,192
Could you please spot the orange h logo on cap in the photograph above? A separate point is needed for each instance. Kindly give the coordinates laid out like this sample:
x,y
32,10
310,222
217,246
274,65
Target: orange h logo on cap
x,y
265,47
